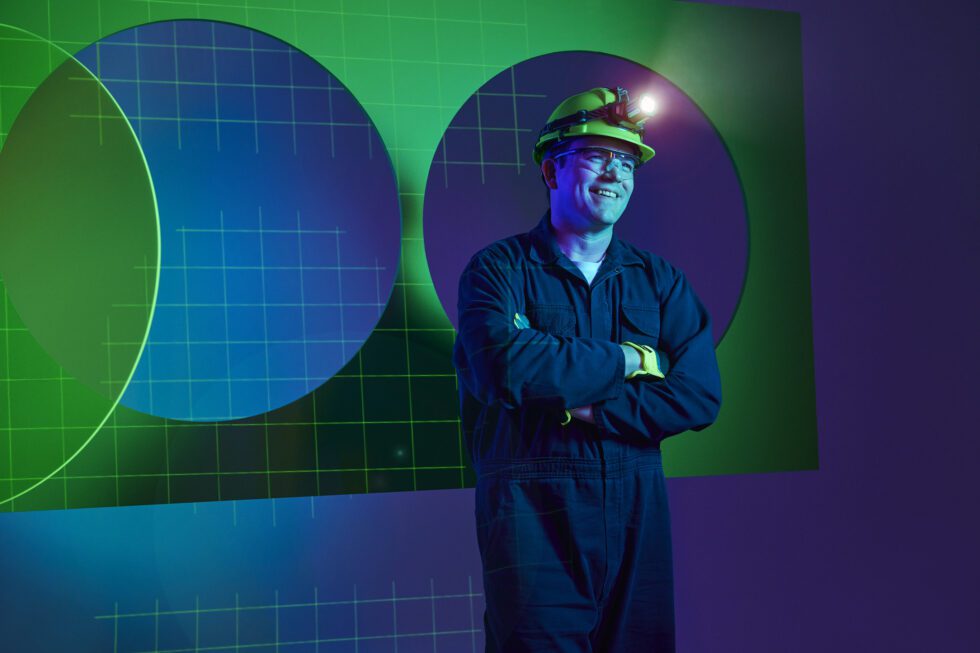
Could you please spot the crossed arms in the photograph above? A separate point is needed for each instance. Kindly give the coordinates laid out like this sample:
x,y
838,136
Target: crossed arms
x,y
500,364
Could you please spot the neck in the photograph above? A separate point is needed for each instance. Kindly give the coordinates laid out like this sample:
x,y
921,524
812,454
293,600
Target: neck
x,y
580,244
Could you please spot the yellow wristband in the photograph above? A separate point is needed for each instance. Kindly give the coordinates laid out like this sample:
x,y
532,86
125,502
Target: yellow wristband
x,y
567,419
649,362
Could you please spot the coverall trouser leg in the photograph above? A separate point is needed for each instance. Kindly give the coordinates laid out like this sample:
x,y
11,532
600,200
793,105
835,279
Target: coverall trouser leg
x,y
576,556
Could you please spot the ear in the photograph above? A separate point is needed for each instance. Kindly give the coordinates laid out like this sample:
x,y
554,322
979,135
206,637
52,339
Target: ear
x,y
549,170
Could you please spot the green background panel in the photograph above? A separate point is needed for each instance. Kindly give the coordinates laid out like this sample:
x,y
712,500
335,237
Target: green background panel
x,y
412,65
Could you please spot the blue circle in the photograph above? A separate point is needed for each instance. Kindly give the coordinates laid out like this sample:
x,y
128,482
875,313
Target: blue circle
x,y
279,218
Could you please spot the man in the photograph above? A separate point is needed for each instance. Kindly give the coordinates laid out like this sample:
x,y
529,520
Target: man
x,y
577,354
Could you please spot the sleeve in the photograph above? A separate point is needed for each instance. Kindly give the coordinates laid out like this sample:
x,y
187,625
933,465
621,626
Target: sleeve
x,y
689,398
501,364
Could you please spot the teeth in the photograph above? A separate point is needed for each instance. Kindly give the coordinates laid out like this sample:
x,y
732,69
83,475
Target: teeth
x,y
604,192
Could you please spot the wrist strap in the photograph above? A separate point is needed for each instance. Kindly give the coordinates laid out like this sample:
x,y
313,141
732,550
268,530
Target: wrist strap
x,y
649,361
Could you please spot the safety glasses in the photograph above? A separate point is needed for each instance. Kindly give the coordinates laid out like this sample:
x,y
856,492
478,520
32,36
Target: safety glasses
x,y
601,160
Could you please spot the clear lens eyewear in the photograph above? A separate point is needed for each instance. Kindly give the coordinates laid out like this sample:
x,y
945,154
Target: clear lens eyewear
x,y
601,160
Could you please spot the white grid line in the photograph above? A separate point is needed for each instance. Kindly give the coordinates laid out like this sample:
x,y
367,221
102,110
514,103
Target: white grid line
x,y
176,86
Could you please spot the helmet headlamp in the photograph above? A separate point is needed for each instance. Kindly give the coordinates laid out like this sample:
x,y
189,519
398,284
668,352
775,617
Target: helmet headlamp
x,y
623,113
606,112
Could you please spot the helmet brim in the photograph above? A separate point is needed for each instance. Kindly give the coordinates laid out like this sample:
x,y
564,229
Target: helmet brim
x,y
553,139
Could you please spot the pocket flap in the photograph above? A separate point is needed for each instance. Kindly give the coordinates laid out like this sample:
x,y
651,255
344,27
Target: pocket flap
x,y
555,319
645,319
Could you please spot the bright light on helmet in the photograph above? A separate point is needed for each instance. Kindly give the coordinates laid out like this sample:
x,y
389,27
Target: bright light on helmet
x,y
648,105
640,110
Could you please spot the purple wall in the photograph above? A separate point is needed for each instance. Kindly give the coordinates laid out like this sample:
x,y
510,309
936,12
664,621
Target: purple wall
x,y
878,550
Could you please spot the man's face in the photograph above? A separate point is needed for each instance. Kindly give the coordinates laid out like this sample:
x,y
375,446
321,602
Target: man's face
x,y
591,198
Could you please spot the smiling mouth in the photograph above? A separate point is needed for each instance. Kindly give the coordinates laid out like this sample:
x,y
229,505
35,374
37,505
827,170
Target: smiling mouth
x,y
602,192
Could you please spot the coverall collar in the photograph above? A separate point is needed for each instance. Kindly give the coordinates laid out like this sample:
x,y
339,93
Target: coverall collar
x,y
544,248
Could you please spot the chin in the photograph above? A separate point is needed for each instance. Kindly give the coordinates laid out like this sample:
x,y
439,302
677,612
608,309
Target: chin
x,y
606,219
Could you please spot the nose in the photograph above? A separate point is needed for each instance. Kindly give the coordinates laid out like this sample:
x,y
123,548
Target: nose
x,y
614,168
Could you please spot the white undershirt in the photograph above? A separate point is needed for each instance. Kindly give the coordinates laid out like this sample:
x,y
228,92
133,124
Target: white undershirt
x,y
589,268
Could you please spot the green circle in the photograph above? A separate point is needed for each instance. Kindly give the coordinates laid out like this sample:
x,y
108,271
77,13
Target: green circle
x,y
79,259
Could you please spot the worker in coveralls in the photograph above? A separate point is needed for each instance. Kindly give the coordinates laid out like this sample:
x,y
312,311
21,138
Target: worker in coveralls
x,y
577,355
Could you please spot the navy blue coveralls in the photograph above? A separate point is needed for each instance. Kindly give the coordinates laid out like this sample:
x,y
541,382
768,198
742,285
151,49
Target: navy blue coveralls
x,y
572,521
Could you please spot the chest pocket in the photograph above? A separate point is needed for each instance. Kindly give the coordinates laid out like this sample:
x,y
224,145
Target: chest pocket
x,y
556,319
640,324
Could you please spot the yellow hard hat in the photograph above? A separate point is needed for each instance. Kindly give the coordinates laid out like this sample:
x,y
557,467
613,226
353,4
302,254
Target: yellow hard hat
x,y
597,112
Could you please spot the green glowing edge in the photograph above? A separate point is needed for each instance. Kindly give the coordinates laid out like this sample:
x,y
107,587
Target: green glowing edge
x,y
156,283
